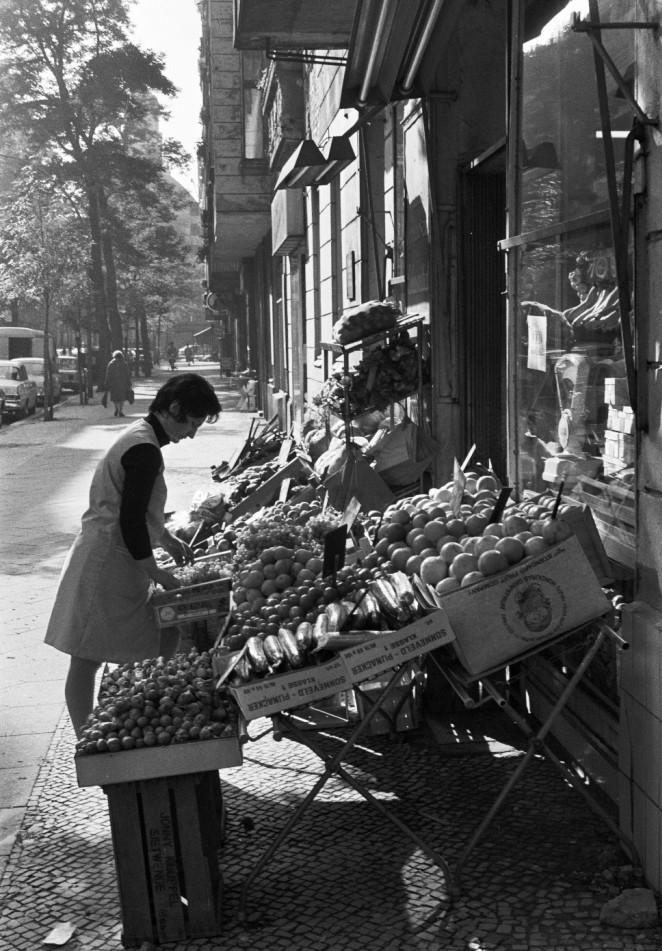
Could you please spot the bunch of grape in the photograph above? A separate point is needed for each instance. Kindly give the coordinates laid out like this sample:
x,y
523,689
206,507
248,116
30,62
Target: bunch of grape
x,y
189,575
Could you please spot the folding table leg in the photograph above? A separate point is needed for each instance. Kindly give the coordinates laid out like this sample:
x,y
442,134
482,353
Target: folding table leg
x,y
536,744
333,766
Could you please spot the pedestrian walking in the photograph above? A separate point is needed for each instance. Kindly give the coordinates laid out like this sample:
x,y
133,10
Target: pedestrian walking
x,y
117,382
101,612
247,394
188,355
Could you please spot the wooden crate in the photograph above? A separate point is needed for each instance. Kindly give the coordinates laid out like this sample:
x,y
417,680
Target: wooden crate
x,y
194,603
166,834
401,713
613,509
104,769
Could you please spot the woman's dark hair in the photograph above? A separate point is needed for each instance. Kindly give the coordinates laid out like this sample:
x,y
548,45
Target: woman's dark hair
x,y
194,393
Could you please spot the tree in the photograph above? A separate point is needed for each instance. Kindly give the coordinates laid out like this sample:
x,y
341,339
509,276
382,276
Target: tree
x,y
73,83
42,247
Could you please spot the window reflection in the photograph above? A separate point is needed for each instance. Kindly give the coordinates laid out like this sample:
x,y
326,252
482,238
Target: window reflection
x,y
575,424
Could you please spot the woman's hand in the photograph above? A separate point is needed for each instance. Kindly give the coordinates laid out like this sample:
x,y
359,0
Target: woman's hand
x,y
165,579
177,549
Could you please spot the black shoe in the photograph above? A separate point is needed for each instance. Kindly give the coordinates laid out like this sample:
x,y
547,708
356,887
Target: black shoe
x,y
115,413
121,414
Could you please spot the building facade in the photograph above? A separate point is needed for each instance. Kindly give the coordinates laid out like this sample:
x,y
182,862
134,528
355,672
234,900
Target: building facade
x,y
494,168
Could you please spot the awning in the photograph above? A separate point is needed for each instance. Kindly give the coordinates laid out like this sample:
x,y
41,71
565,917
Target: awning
x,y
395,49
308,165
293,24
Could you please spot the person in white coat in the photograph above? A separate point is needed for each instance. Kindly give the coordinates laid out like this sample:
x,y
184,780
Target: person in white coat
x,y
101,612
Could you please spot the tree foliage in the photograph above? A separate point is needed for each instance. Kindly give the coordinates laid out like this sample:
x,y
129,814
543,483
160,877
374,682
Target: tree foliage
x,y
83,99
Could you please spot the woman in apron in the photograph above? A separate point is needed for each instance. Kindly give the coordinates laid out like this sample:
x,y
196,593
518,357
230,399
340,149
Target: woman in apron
x,y
101,612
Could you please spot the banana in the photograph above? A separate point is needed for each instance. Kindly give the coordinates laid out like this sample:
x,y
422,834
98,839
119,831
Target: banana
x,y
304,636
372,610
355,620
320,628
404,590
273,650
389,601
256,656
337,614
290,647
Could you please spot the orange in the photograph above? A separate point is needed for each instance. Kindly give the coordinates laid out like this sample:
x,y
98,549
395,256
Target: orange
x,y
433,570
463,564
492,562
450,550
447,585
511,548
400,557
471,577
435,530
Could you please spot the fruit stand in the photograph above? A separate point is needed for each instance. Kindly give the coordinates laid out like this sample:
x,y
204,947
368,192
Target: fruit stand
x,y
310,608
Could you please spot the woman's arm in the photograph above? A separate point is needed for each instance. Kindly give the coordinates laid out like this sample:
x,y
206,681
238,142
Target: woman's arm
x,y
141,465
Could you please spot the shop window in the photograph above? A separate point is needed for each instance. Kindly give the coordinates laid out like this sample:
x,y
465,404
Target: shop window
x,y
574,425
252,66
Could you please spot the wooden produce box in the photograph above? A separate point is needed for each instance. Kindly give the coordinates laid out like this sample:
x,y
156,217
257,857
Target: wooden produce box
x,y
166,835
512,612
580,519
193,603
127,766
401,713
269,490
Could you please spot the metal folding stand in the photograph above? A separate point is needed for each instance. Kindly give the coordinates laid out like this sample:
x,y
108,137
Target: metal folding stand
x,y
284,725
536,734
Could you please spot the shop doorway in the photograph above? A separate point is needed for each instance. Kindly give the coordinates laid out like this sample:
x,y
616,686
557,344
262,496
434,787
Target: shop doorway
x,y
482,315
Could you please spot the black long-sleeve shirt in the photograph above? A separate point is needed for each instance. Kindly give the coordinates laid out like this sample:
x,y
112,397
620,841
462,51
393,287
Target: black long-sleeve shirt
x,y
141,467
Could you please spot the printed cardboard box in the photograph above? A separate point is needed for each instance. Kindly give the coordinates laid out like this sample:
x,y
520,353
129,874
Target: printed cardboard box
x,y
510,613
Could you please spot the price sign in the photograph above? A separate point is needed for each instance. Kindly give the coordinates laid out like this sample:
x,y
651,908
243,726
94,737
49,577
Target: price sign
x,y
500,504
335,544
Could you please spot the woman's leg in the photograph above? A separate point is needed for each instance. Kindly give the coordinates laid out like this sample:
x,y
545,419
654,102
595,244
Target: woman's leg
x,y
79,690
117,407
120,408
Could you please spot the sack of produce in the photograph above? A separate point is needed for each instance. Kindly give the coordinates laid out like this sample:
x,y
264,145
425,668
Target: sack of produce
x,y
365,319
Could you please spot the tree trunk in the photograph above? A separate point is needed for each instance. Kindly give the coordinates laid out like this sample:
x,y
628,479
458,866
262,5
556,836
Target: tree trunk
x,y
144,340
114,319
48,367
96,277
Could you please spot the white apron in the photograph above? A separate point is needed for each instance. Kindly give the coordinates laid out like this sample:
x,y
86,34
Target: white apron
x,y
101,610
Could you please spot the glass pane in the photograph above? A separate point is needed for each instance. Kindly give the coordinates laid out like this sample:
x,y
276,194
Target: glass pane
x,y
563,168
575,424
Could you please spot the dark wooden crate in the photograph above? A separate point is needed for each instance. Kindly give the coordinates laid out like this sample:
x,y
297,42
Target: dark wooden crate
x,y
166,834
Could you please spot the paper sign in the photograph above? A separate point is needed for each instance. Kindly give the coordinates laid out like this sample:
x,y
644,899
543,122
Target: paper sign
x,y
335,546
284,453
537,349
459,482
394,648
284,489
286,691
61,933
350,513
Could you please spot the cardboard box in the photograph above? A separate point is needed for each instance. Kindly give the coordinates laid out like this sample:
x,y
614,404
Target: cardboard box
x,y
517,610
104,769
280,692
616,391
621,420
194,603
619,446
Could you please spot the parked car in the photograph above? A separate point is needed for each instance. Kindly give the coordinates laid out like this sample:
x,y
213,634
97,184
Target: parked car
x,y
20,390
68,371
35,368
